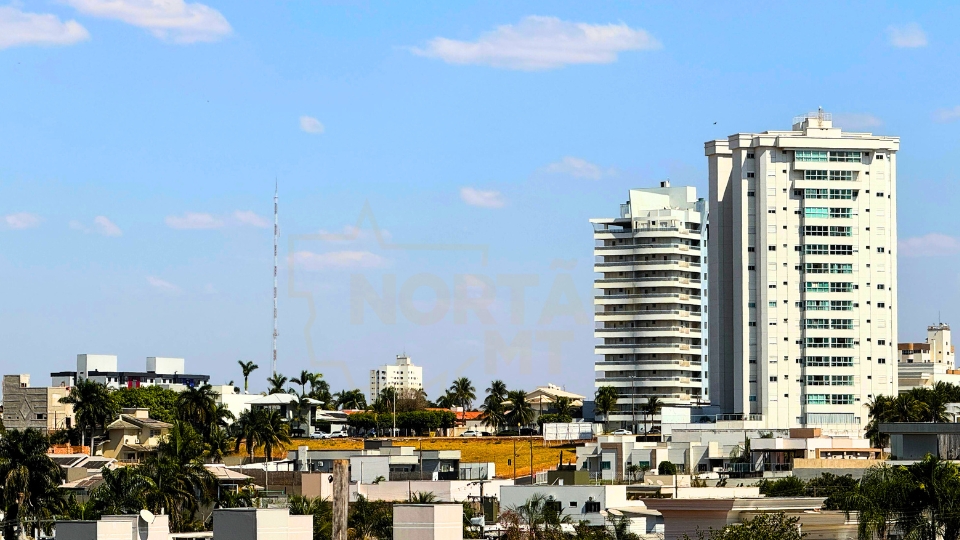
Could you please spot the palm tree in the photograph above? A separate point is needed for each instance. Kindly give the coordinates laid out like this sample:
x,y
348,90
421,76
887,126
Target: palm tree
x,y
122,491
521,412
606,401
539,516
261,427
303,380
463,394
650,409
498,388
878,500
247,368
563,406
620,529
351,399
198,407
93,406
218,444
493,413
181,484
29,479
422,497
447,401
276,382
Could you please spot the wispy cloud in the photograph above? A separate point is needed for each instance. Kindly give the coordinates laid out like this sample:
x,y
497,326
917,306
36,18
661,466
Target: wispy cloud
x,y
850,121
18,28
951,114
929,245
907,36
194,220
336,260
169,20
481,198
352,233
249,217
162,285
101,225
541,43
310,124
21,220
578,168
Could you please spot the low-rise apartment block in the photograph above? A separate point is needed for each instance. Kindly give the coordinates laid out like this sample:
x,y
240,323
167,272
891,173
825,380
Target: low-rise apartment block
x,y
36,407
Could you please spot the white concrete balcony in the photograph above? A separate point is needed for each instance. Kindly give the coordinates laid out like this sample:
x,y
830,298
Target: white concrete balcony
x,y
648,298
645,348
662,281
655,331
653,364
645,315
652,382
646,266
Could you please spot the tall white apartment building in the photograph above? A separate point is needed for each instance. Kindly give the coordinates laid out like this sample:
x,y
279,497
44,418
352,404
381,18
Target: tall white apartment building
x,y
803,274
649,304
402,376
925,364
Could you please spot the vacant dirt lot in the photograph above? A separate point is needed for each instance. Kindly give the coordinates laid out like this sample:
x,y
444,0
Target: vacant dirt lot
x,y
486,449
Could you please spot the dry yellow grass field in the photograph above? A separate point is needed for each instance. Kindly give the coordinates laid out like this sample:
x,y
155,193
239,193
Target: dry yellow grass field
x,y
483,449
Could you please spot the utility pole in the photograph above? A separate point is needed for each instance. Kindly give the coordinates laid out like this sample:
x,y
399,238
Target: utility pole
x,y
515,459
276,241
341,497
531,460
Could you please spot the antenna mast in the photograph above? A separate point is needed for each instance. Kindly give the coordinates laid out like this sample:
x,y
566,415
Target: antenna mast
x,y
276,242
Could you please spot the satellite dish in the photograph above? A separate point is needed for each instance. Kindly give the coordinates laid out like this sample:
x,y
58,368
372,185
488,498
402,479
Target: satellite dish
x,y
147,516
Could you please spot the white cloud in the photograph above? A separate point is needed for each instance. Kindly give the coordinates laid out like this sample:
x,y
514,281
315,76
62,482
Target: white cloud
x,y
336,260
19,29
101,225
106,227
483,199
248,217
162,285
170,20
541,43
311,124
193,220
947,115
21,220
852,121
577,168
352,233
929,245
907,36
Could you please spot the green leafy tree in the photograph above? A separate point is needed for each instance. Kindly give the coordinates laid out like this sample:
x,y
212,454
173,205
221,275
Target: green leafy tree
x,y
493,412
261,427
422,497
498,389
370,520
29,481
789,486
766,526
93,406
123,491
666,468
247,368
218,444
320,509
539,518
303,380
161,403
879,500
198,407
180,483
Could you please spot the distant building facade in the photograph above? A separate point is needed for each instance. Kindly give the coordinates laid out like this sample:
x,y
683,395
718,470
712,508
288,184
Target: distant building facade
x,y
925,364
102,368
36,407
402,376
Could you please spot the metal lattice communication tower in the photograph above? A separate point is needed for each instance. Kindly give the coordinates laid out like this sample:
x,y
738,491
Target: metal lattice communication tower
x,y
276,242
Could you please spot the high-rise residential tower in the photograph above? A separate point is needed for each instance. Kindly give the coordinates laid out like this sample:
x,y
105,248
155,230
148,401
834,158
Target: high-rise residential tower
x,y
803,274
649,307
403,376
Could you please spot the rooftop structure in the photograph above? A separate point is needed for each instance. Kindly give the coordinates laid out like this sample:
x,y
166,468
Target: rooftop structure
x,y
102,368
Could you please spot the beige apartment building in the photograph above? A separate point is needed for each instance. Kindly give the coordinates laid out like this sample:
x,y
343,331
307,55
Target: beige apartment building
x,y
37,407
803,274
925,364
649,307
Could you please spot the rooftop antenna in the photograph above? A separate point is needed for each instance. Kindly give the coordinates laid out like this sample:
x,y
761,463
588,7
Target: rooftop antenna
x,y
276,242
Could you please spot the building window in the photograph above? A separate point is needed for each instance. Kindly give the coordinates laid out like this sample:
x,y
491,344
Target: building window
x,y
839,156
841,212
841,249
771,248
604,465
749,155
750,175
814,175
811,155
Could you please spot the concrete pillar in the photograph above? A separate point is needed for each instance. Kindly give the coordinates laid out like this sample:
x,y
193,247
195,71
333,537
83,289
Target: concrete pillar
x,y
341,497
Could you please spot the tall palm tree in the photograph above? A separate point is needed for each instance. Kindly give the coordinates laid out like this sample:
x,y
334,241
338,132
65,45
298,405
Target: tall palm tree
x,y
650,409
606,401
351,399
498,388
29,480
494,413
541,517
521,412
563,406
303,380
218,444
447,400
463,394
247,368
878,500
93,406
181,484
261,427
276,382
198,407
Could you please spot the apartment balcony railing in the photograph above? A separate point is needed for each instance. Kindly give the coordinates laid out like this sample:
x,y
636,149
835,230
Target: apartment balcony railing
x,y
681,363
682,281
680,329
682,313
681,296
678,346
644,378
650,245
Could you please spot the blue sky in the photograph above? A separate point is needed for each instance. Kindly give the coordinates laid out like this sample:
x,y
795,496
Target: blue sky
x,y
139,147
